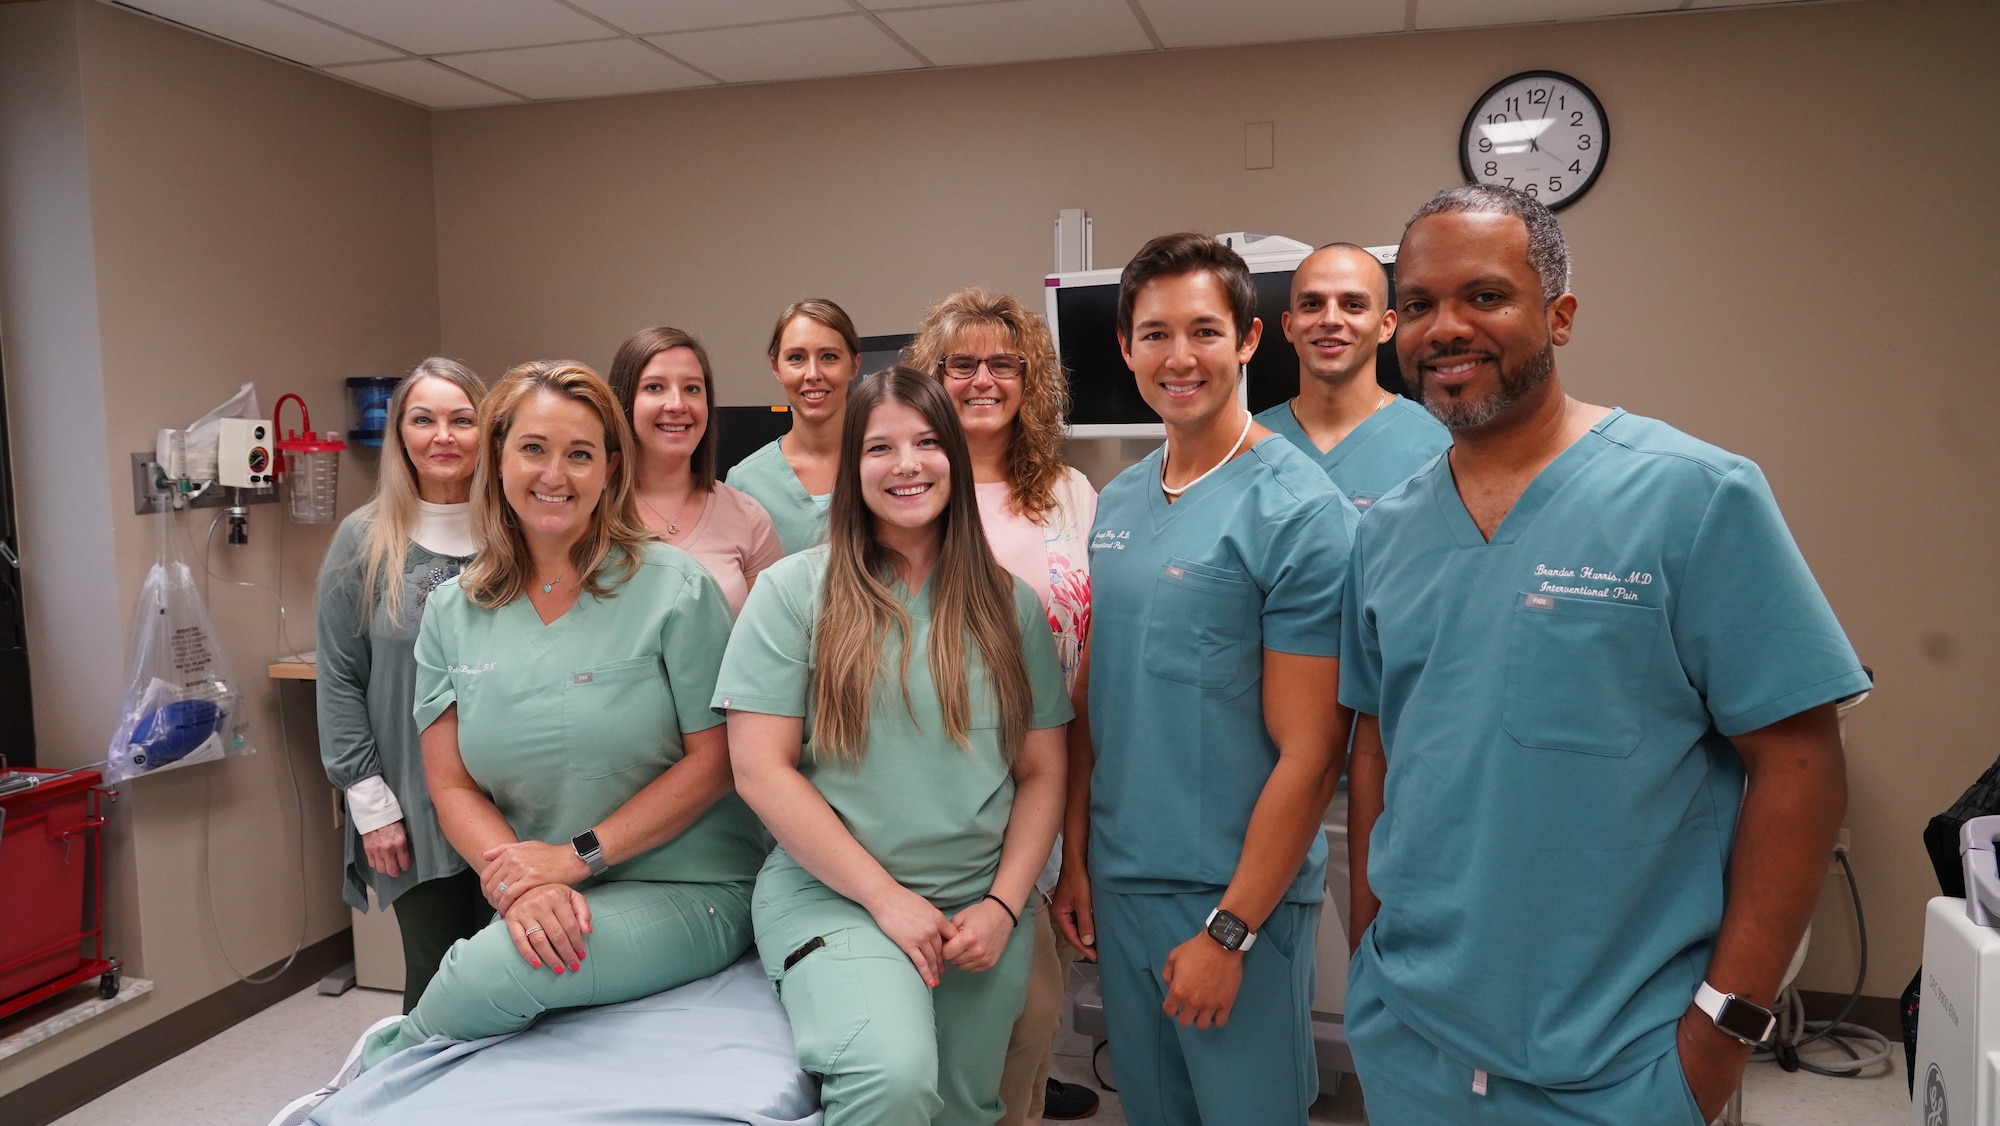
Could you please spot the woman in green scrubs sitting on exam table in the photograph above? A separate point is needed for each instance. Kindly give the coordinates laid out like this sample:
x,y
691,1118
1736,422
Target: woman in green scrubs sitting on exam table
x,y
815,355
385,561
896,717
563,683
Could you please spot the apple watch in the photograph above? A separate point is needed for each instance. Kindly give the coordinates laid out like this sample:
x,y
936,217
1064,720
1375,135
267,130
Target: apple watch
x,y
1746,1020
589,851
1230,932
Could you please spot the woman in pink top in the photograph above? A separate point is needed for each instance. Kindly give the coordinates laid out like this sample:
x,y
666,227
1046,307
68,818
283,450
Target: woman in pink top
x,y
998,362
662,378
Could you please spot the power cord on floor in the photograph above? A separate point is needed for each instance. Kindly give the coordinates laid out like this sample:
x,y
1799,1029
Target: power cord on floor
x,y
1795,1032
1097,1072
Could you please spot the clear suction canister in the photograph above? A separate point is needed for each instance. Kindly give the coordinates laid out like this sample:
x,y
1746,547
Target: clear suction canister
x,y
311,468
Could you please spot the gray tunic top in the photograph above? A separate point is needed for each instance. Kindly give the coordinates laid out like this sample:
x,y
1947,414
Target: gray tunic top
x,y
367,690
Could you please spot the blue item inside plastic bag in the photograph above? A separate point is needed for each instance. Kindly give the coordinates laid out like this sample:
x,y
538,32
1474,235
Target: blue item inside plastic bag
x,y
170,733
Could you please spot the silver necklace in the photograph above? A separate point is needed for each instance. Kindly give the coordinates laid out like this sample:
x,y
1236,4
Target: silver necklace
x,y
673,525
1248,418
550,586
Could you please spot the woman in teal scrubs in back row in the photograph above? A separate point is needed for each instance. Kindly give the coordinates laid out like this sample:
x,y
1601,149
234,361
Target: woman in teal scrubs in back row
x,y
896,717
815,356
563,683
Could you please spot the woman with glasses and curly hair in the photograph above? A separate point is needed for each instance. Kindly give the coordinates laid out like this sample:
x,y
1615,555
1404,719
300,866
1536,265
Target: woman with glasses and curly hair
x,y
896,717
563,683
998,363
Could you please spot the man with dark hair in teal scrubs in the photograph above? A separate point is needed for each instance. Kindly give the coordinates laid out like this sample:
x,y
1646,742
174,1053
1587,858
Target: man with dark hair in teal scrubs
x,y
1596,769
1208,735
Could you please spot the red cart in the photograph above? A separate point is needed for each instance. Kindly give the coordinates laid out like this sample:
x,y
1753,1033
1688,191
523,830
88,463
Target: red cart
x,y
51,886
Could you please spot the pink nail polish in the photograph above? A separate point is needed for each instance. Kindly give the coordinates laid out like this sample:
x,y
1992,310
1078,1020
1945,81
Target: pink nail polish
x,y
575,966
536,964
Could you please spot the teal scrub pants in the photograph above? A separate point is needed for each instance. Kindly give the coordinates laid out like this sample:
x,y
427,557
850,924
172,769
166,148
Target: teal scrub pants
x,y
1409,1082
888,1050
645,937
1260,1067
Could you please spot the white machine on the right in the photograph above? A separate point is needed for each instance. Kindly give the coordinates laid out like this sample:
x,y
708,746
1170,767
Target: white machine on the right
x,y
1957,1074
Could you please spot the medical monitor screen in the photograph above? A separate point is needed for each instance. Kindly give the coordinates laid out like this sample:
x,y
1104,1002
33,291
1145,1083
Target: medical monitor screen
x,y
1102,389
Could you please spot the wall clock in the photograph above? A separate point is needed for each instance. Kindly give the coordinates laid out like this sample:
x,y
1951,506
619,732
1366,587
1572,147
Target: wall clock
x,y
1541,132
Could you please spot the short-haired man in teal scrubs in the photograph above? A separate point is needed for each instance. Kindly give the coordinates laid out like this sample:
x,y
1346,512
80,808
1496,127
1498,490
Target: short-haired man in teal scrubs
x,y
1596,770
1210,739
1368,439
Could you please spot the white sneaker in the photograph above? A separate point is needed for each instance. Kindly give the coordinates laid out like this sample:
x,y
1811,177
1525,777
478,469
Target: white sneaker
x,y
299,1110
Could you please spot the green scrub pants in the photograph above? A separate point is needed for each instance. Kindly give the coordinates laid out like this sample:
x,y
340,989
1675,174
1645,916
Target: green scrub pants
x,y
1408,1081
1260,1067
645,937
887,1050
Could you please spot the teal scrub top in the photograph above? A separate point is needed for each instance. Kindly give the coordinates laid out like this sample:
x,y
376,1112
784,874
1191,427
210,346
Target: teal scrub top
x,y
798,516
931,812
1185,599
1556,707
1384,451
562,723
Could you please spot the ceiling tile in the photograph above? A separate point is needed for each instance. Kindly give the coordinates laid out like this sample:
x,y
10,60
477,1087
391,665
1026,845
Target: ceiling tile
x,y
423,82
782,51
254,23
580,70
1434,14
1203,23
974,34
434,27
895,5
649,17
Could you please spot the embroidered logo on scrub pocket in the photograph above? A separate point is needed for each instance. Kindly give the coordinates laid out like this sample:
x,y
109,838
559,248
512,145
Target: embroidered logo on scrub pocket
x,y
1541,602
1174,572
583,678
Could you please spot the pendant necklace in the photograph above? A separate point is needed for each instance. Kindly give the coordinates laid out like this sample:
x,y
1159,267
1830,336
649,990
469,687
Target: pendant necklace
x,y
1248,418
550,586
673,525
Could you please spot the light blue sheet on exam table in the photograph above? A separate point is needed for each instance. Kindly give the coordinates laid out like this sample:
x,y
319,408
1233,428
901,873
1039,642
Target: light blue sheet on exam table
x,y
718,1050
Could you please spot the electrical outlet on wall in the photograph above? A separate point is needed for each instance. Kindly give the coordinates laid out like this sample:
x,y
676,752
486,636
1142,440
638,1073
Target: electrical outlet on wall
x,y
1840,849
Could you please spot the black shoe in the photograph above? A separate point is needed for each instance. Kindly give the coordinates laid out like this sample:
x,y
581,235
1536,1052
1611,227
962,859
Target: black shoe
x,y
1066,1101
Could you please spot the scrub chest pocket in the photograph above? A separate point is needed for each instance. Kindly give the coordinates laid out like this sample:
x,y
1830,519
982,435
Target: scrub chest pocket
x,y
613,715
1576,668
1203,630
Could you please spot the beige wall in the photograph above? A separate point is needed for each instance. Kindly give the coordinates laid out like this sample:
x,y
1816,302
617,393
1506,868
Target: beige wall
x,y
246,221
1789,254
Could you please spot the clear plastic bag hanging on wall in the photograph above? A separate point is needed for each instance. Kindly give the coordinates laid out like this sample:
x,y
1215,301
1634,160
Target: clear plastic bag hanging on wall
x,y
182,701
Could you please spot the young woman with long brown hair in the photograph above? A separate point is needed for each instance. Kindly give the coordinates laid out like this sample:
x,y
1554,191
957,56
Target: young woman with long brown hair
x,y
815,354
562,690
896,715
998,363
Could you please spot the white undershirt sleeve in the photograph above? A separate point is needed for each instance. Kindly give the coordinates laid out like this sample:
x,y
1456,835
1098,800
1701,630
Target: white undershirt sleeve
x,y
372,804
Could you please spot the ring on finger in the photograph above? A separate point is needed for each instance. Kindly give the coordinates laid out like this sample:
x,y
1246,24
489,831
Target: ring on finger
x,y
536,929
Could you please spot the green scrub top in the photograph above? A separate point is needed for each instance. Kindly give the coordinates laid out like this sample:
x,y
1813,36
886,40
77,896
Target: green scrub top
x,y
931,812
799,516
1376,456
562,723
1185,600
1556,708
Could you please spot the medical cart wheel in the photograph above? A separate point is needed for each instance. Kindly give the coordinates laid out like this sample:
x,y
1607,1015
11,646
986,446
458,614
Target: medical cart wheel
x,y
107,985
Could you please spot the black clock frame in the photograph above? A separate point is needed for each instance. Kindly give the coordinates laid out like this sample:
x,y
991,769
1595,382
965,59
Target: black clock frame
x,y
1604,146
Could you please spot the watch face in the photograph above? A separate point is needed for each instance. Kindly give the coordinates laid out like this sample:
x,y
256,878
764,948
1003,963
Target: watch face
x,y
1743,1020
1539,132
585,842
1228,930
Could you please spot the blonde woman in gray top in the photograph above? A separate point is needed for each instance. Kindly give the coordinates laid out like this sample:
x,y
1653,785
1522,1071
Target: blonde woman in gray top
x,y
385,560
